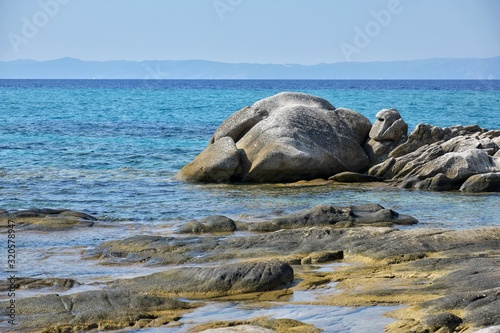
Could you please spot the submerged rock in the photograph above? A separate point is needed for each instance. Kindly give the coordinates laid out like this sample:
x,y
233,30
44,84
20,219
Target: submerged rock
x,y
283,138
324,215
47,219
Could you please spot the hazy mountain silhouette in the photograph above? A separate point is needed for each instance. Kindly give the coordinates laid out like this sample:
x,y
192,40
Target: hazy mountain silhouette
x,y
69,68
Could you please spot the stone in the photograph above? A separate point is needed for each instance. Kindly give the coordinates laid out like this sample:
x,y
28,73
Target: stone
x,y
91,310
240,122
216,223
47,219
492,329
436,322
354,177
239,329
229,279
386,133
322,257
170,250
458,167
425,134
33,283
259,324
283,138
486,182
324,215
216,164
442,159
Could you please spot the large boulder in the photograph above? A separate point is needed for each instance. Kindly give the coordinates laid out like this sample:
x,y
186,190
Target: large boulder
x,y
216,164
283,138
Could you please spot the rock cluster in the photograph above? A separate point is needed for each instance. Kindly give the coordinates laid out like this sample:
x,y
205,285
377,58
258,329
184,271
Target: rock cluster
x,y
293,137
442,159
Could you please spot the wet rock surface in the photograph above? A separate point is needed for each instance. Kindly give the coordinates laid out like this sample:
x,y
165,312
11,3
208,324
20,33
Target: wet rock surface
x,y
33,284
211,224
290,236
47,219
262,325
101,309
446,280
324,215
237,278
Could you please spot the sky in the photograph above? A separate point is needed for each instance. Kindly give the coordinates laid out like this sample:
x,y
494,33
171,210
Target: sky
x,y
249,31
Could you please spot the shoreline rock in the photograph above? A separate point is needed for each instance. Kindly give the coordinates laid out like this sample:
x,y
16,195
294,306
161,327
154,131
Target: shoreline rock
x,y
98,309
206,282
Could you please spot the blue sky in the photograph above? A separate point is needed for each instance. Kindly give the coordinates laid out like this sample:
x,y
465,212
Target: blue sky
x,y
255,31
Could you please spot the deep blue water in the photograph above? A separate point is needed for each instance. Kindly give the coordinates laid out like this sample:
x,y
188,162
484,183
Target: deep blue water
x,y
111,147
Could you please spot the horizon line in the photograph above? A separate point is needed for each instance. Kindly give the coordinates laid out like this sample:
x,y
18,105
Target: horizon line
x,y
255,63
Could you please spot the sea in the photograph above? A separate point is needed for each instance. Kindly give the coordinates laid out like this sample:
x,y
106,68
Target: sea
x,y
112,148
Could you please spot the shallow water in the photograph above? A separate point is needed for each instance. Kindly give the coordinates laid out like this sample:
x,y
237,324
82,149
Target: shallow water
x,y
329,318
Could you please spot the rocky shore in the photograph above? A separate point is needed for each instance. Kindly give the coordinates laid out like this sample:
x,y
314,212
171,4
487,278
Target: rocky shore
x,y
441,280
445,280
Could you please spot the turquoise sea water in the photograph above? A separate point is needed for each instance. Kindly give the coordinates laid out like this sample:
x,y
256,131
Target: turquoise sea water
x,y
112,148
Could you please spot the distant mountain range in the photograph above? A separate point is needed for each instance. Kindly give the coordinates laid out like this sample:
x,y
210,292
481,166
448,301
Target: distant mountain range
x,y
69,68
